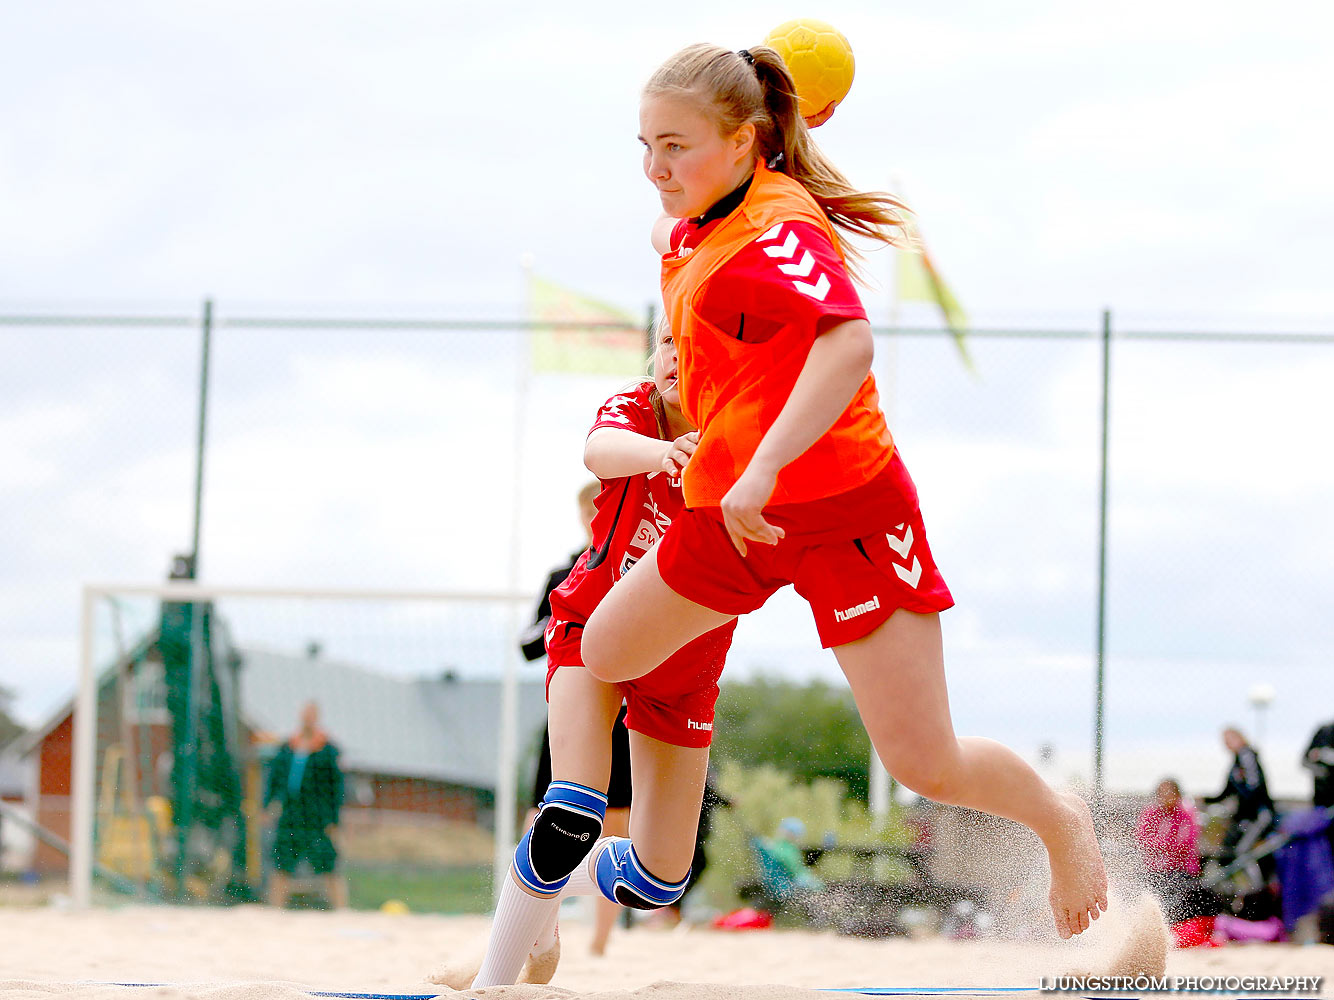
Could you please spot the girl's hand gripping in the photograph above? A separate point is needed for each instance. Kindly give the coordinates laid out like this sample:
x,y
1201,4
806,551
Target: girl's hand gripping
x,y
678,454
743,510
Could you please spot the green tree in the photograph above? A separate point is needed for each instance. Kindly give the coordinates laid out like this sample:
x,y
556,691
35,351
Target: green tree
x,y
807,730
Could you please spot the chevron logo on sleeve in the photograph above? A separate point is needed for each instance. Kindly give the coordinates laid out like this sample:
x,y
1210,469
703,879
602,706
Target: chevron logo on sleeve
x,y
796,269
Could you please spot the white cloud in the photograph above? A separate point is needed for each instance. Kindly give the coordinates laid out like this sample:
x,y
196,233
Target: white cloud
x,y
27,438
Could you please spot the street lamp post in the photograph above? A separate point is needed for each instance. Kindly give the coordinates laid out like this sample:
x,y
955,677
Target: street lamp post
x,y
1260,697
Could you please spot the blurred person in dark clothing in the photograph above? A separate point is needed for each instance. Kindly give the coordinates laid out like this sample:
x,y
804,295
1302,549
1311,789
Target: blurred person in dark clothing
x,y
304,795
1319,760
531,641
1252,807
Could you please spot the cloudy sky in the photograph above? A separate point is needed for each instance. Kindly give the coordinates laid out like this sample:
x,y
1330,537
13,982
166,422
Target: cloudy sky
x,y
1168,161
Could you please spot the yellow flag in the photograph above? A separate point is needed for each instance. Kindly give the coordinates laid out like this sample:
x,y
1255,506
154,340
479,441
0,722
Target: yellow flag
x,y
611,343
917,280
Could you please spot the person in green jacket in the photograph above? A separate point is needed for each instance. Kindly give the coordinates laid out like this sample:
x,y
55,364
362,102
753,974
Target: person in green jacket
x,y
304,797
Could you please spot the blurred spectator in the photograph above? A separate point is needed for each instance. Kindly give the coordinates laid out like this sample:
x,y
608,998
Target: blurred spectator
x,y
305,796
785,849
1252,808
532,640
1319,760
1167,835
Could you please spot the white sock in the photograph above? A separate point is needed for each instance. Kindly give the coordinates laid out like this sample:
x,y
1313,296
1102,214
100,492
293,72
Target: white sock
x,y
583,881
519,921
546,937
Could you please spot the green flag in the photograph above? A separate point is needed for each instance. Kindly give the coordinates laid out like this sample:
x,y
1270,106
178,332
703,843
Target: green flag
x,y
918,280
612,342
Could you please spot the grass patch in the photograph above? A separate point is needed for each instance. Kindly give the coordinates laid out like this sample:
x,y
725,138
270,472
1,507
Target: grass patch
x,y
433,889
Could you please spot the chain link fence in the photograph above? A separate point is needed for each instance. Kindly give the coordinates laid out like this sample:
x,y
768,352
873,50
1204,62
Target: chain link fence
x,y
432,453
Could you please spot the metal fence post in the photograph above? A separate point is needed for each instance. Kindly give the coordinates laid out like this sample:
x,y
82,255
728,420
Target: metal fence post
x,y
1100,682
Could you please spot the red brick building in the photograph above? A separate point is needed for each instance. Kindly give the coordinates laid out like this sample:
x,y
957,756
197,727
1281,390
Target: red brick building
x,y
420,746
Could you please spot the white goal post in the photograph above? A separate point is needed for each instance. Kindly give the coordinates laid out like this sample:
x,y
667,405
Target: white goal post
x,y
513,608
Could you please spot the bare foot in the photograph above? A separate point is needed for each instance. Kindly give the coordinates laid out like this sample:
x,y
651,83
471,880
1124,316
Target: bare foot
x,y
1078,879
540,968
458,976
666,919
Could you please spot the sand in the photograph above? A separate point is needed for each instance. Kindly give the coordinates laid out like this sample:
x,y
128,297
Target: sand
x,y
252,952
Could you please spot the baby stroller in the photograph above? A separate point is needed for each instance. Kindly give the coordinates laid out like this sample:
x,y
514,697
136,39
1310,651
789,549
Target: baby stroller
x,y
1286,873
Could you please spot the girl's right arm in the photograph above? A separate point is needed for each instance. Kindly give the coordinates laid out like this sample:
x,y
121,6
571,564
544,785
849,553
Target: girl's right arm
x,y
613,453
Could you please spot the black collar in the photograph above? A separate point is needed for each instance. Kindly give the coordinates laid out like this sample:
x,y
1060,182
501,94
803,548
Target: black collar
x,y
725,205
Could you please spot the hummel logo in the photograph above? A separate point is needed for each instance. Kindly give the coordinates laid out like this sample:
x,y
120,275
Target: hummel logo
x,y
801,268
909,576
816,289
706,726
787,249
902,547
859,609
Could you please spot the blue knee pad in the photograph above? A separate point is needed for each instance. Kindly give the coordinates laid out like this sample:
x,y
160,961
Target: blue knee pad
x,y
568,824
623,879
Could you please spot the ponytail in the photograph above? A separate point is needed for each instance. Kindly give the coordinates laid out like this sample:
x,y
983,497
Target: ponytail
x,y
755,86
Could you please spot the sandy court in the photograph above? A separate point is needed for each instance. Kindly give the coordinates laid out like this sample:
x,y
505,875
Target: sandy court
x,y
251,952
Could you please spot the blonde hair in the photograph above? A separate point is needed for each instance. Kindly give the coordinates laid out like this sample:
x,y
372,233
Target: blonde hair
x,y
734,90
663,325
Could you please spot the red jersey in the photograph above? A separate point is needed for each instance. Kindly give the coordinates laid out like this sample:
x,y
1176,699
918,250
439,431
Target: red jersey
x,y
632,514
766,286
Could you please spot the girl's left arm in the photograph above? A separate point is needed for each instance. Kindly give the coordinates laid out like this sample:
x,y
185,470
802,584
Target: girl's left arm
x,y
662,234
838,362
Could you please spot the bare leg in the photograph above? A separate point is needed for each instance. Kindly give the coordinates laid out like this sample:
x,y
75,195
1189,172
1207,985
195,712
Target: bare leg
x,y
581,714
640,623
335,887
278,889
664,817
617,824
898,679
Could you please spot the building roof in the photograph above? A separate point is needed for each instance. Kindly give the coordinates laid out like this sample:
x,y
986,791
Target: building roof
x,y
12,775
26,743
444,729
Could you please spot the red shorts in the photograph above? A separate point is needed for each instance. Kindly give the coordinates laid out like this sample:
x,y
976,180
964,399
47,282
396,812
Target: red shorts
x,y
673,702
856,557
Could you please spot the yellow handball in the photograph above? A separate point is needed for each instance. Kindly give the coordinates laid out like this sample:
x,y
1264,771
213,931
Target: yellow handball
x,y
819,59
394,906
